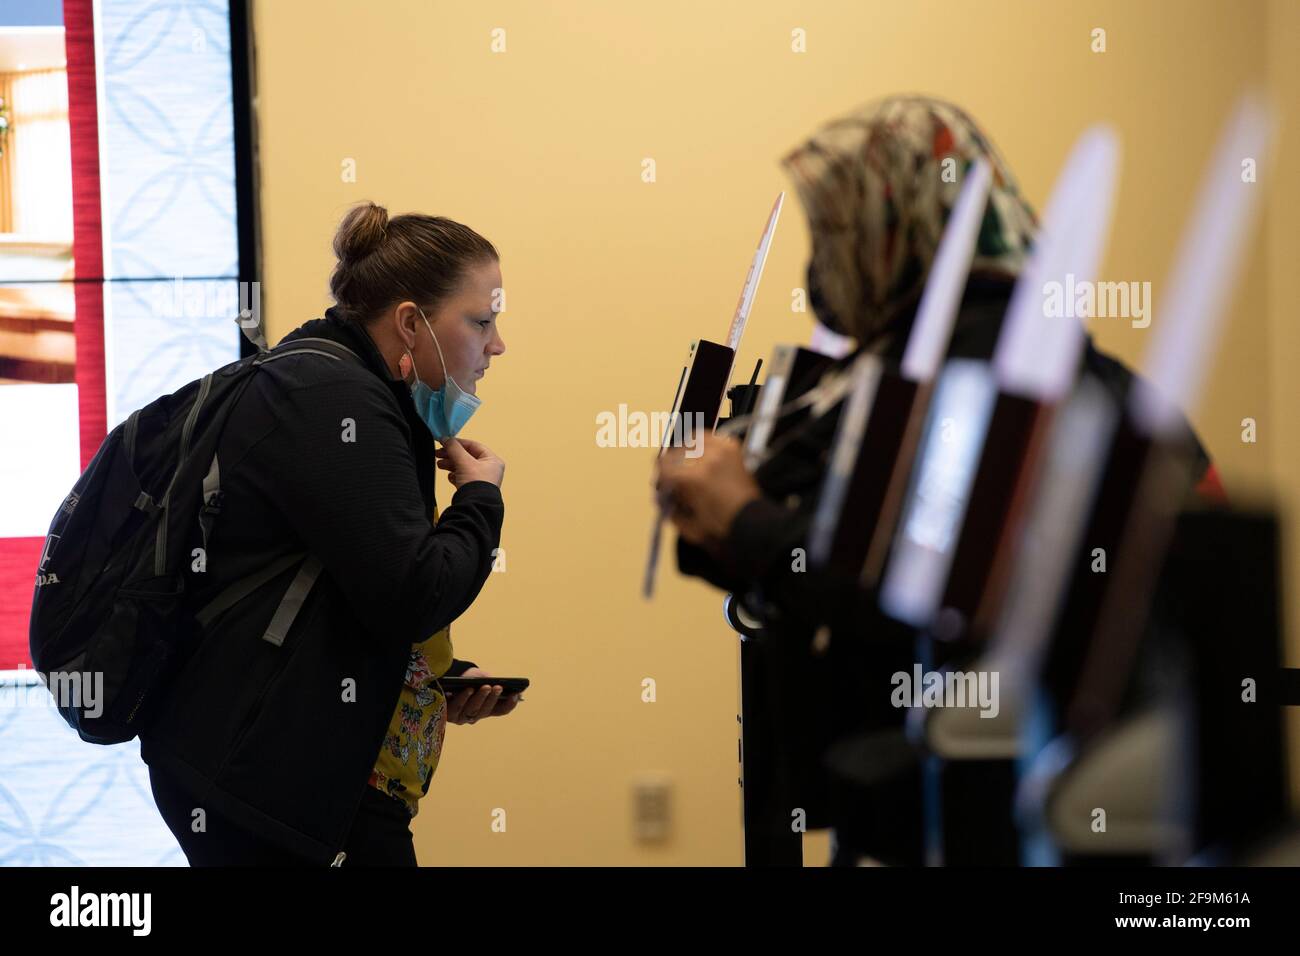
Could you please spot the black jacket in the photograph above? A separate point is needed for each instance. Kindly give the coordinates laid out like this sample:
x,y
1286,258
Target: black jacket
x,y
282,739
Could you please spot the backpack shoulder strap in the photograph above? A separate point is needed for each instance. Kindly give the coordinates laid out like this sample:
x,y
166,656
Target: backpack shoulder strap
x,y
309,568
309,345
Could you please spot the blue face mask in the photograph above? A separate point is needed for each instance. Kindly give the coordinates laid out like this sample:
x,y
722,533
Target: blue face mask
x,y
445,410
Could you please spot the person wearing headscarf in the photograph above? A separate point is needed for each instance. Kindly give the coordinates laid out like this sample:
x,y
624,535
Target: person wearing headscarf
x,y
877,186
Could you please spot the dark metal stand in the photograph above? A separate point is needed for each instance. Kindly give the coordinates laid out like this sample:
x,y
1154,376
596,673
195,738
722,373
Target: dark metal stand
x,y
770,838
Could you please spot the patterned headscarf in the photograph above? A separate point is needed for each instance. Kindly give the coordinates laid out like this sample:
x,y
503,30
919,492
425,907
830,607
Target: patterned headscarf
x,y
878,193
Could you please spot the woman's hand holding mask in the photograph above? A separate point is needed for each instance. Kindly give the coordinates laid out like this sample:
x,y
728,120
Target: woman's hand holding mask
x,y
467,460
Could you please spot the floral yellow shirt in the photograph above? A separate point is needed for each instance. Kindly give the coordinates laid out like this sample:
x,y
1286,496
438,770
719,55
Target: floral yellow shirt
x,y
413,743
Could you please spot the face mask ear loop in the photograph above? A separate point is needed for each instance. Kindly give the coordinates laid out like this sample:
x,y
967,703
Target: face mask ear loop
x,y
445,376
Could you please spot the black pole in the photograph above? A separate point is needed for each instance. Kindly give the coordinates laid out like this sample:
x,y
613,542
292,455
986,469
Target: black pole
x,y
243,77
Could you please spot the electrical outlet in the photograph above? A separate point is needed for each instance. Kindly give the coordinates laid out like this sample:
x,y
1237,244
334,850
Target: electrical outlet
x,y
651,809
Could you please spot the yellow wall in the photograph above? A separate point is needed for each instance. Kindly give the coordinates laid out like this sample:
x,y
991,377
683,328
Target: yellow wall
x,y
608,278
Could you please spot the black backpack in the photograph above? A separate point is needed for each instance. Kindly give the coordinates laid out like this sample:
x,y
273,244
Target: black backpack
x,y
109,620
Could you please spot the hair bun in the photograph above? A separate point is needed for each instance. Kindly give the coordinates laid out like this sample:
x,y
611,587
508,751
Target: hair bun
x,y
361,232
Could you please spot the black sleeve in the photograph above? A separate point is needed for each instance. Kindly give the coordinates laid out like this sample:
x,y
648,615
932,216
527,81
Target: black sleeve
x,y
754,542
458,667
693,561
357,507
764,561
760,544
763,542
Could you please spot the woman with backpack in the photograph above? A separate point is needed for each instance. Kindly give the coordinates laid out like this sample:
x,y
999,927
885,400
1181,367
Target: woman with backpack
x,y
312,743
